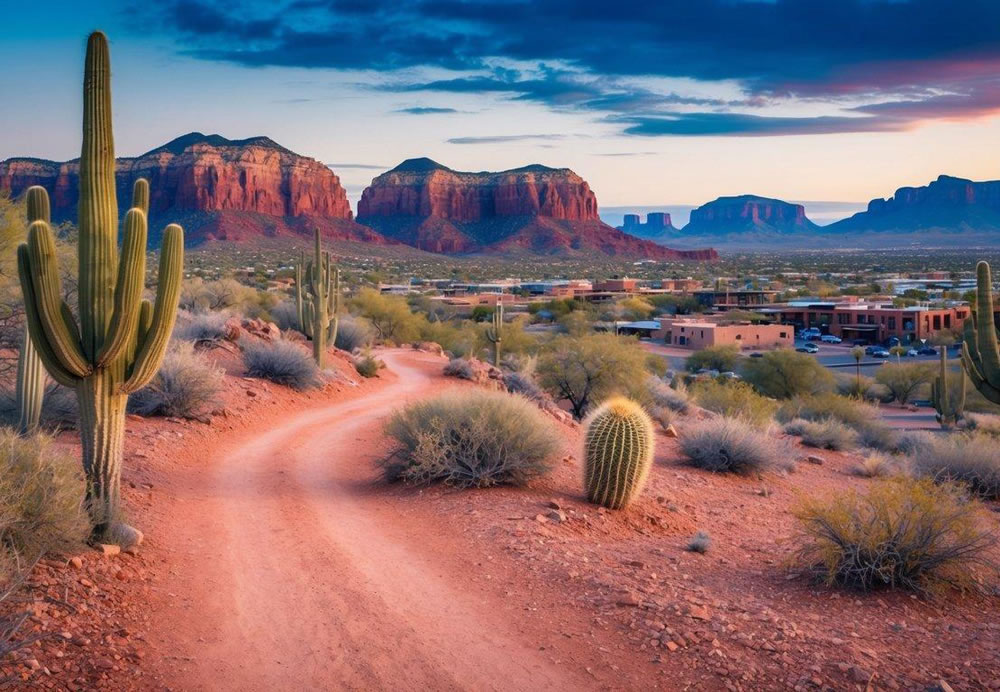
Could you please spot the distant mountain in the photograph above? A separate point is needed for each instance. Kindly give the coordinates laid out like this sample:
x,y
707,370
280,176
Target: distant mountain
x,y
748,213
529,210
658,227
219,189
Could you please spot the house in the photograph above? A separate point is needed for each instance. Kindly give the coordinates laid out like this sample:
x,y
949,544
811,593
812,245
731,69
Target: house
x,y
697,334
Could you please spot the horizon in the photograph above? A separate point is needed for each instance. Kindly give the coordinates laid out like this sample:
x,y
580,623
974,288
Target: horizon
x,y
646,121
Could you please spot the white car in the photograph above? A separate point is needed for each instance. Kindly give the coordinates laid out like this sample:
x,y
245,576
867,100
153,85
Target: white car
x,y
830,339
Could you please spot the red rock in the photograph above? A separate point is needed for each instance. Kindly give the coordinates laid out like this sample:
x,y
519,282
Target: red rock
x,y
747,212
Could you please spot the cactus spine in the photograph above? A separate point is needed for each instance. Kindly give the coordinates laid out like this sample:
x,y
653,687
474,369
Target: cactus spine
x,y
949,411
618,452
318,312
30,371
494,334
120,340
980,354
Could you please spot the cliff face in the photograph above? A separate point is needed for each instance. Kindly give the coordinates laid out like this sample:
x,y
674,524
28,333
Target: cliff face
x,y
748,213
206,178
534,209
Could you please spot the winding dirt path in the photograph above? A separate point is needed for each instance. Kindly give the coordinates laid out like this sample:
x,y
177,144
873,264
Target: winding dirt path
x,y
289,570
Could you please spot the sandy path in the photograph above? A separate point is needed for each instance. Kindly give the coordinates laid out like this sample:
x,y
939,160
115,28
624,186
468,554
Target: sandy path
x,y
289,571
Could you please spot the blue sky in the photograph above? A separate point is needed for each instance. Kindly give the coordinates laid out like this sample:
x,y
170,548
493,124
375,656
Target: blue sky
x,y
653,102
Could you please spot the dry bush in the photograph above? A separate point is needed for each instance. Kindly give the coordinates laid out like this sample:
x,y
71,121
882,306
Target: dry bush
x,y
663,416
859,415
353,333
730,445
878,465
699,543
187,386
367,366
285,315
59,408
910,442
824,434
983,424
904,533
470,439
665,396
734,400
968,459
203,326
524,383
41,500
282,362
461,368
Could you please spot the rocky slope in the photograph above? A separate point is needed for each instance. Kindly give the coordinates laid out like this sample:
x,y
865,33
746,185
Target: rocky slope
x,y
534,209
220,189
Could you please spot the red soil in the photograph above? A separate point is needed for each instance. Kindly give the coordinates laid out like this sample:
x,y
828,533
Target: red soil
x,y
276,559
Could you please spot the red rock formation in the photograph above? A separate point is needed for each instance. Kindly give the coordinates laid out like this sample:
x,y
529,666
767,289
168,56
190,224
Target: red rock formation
x,y
534,209
747,213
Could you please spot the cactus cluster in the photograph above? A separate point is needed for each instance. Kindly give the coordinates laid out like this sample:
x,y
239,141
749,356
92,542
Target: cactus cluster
x,y
118,343
618,451
494,334
949,408
318,309
980,354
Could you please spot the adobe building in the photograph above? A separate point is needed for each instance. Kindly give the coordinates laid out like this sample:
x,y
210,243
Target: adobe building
x,y
697,334
873,322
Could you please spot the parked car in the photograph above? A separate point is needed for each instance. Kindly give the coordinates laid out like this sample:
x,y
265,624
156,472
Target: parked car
x,y
880,353
814,337
830,339
808,348
809,333
913,352
893,341
756,354
927,351
869,350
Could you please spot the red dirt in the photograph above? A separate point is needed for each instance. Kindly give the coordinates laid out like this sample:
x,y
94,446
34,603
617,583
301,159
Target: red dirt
x,y
276,559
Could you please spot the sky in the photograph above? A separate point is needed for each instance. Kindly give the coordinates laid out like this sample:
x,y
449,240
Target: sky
x,y
656,104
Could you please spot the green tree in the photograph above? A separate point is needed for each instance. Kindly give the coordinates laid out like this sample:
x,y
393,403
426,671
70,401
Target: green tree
x,y
636,308
389,315
903,380
722,358
784,373
587,370
859,355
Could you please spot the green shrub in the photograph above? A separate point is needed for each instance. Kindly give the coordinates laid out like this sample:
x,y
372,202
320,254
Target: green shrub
x,y
734,399
470,439
725,358
186,386
905,533
904,380
968,459
824,434
367,366
41,500
282,362
784,373
729,445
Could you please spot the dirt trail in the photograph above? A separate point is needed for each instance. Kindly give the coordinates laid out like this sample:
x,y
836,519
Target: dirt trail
x,y
289,571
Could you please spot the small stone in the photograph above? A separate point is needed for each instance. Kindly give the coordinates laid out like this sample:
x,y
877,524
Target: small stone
x,y
109,549
33,663
541,519
672,646
815,459
699,613
944,686
76,561
859,674
554,504
556,515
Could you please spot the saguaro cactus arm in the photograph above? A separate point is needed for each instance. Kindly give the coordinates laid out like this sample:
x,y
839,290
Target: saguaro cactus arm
x,y
980,354
128,289
49,358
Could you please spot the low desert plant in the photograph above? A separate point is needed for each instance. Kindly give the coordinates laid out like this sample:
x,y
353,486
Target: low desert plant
x,y
876,465
982,424
825,405
968,459
367,366
722,358
699,543
877,435
911,442
784,373
354,333
904,533
282,362
904,380
524,384
59,408
41,500
461,368
729,445
186,386
664,396
285,315
470,439
734,400
824,434
202,327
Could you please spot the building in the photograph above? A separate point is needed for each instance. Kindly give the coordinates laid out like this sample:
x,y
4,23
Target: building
x,y
734,299
697,334
680,285
616,286
872,322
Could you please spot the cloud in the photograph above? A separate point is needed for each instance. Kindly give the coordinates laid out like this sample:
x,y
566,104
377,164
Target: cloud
x,y
626,153
500,139
745,125
425,110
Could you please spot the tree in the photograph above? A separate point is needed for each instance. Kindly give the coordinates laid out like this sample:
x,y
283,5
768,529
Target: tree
x,y
783,374
903,379
390,315
859,355
586,370
722,358
636,308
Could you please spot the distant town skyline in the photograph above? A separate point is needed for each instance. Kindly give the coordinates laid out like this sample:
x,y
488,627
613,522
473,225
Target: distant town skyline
x,y
655,104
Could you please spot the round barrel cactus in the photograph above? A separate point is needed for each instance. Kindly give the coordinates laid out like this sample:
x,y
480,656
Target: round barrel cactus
x,y
618,451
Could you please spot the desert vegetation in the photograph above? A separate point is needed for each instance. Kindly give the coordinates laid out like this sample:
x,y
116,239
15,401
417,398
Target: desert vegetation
x,y
730,445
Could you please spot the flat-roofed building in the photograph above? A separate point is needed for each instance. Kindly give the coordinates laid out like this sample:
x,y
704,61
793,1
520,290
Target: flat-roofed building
x,y
697,334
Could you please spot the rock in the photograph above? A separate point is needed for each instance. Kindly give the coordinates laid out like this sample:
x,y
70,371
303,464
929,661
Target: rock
x,y
944,686
859,674
747,213
556,515
815,459
672,646
429,347
699,613
554,504
76,562
108,549
267,331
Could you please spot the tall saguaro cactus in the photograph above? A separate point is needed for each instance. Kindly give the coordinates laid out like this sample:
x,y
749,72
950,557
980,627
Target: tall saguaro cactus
x,y
30,371
980,354
494,334
949,409
318,312
119,343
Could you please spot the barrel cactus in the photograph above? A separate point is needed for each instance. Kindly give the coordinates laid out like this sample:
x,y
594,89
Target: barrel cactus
x,y
618,450
980,354
318,310
949,407
118,344
494,334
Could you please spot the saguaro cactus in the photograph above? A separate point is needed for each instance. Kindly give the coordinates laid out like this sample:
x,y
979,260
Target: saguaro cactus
x,y
494,334
30,371
318,312
618,452
980,354
120,340
949,410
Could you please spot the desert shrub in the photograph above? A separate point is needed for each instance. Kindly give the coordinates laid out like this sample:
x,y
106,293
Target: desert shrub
x,y
911,442
367,366
203,326
389,315
968,459
222,294
722,358
524,384
903,380
285,315
877,465
281,362
41,499
59,407
864,388
904,533
784,373
699,543
353,333
663,416
589,369
877,435
824,434
461,368
735,400
186,386
470,439
664,396
729,445
983,424
826,405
